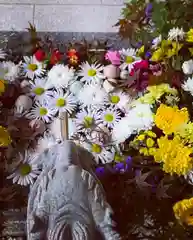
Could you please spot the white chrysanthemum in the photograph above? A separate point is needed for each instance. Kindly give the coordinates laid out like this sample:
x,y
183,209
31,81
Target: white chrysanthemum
x,y
121,131
2,54
176,34
87,119
38,89
63,102
26,171
60,76
92,95
140,117
101,154
187,67
75,87
91,73
110,117
188,86
119,100
41,111
9,71
32,67
156,41
129,56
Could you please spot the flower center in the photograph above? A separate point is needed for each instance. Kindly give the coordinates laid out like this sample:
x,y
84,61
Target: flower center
x,y
129,59
32,67
109,117
25,169
88,121
39,91
91,72
96,148
43,111
61,102
115,99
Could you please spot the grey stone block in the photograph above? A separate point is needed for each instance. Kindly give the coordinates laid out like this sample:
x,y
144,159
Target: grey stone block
x,y
15,17
113,2
52,1
76,18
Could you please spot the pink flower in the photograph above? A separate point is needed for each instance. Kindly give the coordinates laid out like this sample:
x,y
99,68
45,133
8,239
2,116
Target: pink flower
x,y
139,65
114,57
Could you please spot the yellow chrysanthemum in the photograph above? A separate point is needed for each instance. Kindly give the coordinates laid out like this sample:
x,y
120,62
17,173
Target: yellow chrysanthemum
x,y
156,92
189,35
5,139
169,119
150,142
150,134
183,211
141,137
175,156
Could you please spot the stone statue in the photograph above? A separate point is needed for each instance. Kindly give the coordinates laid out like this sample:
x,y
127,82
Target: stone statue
x,y
67,201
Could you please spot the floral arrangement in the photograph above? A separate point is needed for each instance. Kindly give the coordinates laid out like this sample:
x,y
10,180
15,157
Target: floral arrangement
x,y
132,109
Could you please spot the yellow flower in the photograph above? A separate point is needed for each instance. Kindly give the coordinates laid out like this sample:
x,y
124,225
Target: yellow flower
x,y
144,151
175,156
173,49
150,142
158,55
141,51
169,119
186,131
189,35
151,134
152,151
141,137
5,139
156,92
183,211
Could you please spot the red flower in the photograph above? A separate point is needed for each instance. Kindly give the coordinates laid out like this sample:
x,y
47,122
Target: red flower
x,y
40,55
142,65
56,57
71,53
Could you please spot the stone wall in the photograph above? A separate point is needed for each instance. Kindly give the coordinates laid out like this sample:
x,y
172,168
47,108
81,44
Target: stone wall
x,y
60,15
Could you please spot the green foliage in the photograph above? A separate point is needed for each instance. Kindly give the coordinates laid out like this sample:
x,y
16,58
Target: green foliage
x,y
136,25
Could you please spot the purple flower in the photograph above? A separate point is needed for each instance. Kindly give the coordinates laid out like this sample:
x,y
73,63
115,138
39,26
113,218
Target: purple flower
x,y
148,55
148,10
120,167
100,170
128,162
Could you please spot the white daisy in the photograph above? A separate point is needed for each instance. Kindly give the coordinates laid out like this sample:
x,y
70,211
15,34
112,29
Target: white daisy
x,y
176,34
2,54
75,87
102,154
156,41
129,56
32,67
91,73
187,67
9,71
60,76
39,89
63,102
119,100
110,117
140,117
92,95
188,86
87,119
26,171
121,131
41,111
